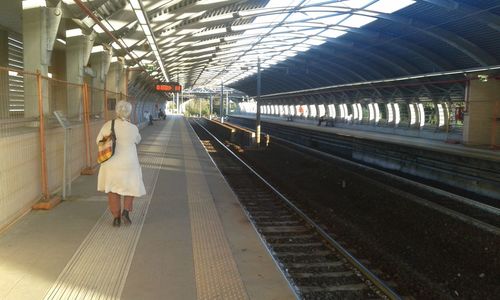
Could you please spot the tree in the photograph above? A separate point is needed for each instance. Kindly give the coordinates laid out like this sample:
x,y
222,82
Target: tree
x,y
193,107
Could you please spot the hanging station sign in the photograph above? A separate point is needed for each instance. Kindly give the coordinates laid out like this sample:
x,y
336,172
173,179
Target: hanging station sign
x,y
170,87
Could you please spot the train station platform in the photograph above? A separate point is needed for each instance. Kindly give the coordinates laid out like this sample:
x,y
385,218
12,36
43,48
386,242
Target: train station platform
x,y
189,237
397,139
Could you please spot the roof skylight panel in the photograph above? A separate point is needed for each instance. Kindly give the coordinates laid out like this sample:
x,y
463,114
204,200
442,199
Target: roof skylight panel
x,y
355,3
296,16
282,3
290,52
333,19
162,18
257,31
332,33
316,2
312,32
202,50
319,13
211,32
162,41
389,6
289,39
356,21
185,16
302,47
188,31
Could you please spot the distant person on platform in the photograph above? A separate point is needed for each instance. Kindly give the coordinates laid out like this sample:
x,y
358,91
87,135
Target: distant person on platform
x,y
149,117
121,175
321,120
161,114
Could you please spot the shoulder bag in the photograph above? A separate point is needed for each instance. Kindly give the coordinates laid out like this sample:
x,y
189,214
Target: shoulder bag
x,y
106,146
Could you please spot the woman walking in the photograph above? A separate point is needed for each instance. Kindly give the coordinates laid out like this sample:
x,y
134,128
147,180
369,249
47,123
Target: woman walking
x,y
121,175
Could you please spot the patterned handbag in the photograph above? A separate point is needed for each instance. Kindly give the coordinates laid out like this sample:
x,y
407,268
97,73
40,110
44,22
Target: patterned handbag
x,y
106,146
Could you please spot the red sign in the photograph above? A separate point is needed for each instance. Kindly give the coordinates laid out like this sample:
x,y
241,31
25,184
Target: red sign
x,y
169,87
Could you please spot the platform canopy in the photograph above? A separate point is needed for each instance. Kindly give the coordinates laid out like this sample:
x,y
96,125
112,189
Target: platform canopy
x,y
300,43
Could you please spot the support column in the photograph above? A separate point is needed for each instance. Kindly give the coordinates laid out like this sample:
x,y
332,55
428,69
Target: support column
x,y
177,99
78,49
40,25
257,115
100,60
480,118
123,83
4,75
115,74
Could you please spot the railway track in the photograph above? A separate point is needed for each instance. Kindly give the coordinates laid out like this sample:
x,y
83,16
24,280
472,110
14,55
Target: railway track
x,y
456,172
317,266
474,212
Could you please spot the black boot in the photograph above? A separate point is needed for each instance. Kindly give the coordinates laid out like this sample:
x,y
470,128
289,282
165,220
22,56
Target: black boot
x,y
126,217
116,222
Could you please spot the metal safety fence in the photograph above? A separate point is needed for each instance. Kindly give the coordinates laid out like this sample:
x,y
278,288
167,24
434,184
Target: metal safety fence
x,y
48,132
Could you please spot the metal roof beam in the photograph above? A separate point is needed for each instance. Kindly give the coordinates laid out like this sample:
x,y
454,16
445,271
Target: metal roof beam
x,y
480,56
380,38
483,16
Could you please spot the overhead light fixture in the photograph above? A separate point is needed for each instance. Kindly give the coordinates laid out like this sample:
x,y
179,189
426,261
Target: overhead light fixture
x,y
146,28
135,4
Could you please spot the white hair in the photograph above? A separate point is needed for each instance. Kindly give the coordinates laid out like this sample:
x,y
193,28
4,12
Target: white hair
x,y
123,109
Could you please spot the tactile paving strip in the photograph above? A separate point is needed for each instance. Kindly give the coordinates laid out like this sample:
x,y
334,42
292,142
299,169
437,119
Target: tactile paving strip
x,y
99,268
216,272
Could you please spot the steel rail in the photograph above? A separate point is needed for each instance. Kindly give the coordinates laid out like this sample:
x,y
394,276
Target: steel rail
x,y
450,212
358,265
461,199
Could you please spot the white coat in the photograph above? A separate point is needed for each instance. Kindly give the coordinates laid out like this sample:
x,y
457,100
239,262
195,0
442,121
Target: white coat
x,y
122,173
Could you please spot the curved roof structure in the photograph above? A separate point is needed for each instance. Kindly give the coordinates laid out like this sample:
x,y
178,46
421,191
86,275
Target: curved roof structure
x,y
301,44
427,37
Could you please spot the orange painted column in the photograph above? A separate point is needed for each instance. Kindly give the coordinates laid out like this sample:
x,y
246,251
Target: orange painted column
x,y
106,101
45,188
89,170
47,202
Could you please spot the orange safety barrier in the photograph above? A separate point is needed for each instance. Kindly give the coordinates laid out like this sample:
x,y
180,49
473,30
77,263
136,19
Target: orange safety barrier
x,y
32,140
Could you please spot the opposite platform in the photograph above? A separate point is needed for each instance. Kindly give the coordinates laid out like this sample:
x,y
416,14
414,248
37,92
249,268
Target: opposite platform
x,y
189,238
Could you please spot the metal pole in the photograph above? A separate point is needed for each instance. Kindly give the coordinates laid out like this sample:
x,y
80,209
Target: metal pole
x,y
257,121
182,101
86,120
200,106
211,106
227,103
65,163
221,104
177,98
